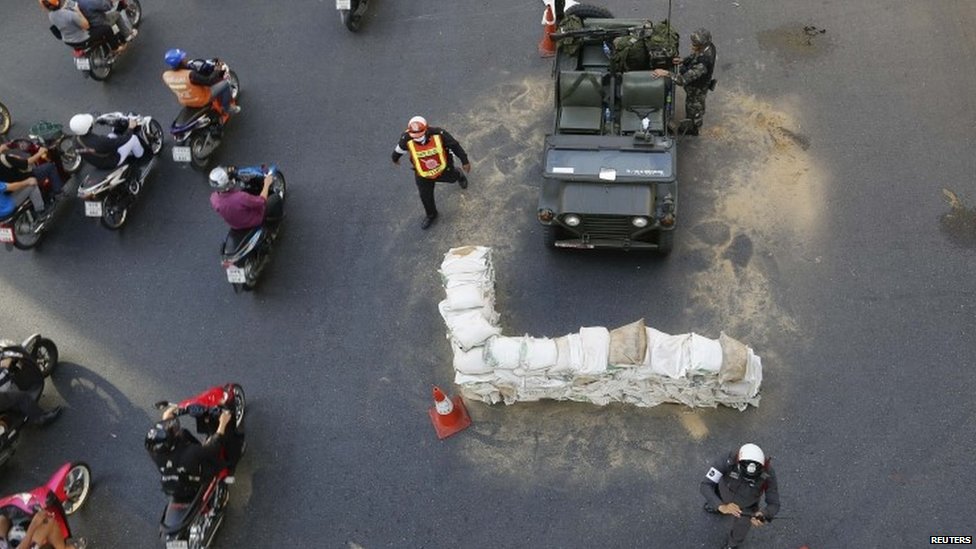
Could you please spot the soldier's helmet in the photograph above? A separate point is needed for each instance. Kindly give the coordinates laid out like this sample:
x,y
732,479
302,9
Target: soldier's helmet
x,y
701,37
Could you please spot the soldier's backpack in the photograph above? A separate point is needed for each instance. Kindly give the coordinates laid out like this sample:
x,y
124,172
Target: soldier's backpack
x,y
629,54
662,45
570,44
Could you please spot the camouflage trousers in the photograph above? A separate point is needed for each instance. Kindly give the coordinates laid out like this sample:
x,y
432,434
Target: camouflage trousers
x,y
695,105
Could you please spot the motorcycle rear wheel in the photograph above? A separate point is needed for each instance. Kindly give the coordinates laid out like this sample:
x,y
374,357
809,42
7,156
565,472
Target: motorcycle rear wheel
x,y
199,156
350,20
114,213
5,119
77,486
24,236
45,356
98,61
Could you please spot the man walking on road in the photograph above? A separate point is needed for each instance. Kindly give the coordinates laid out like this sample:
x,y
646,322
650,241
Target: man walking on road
x,y
735,485
431,157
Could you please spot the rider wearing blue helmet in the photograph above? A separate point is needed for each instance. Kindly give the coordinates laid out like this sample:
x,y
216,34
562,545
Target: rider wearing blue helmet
x,y
197,82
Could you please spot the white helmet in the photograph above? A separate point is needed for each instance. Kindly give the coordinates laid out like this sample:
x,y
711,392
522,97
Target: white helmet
x,y
220,179
417,127
81,123
17,533
751,460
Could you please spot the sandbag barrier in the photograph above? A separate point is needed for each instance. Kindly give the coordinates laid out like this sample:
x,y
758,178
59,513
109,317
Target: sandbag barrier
x,y
635,364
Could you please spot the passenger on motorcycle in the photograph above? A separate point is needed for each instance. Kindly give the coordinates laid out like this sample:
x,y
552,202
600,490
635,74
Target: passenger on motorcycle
x,y
73,28
105,151
44,530
198,82
239,208
184,464
104,13
14,166
11,397
15,193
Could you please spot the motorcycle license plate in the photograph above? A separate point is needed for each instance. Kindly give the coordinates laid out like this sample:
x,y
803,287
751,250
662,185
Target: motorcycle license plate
x,y
93,208
6,234
235,275
177,544
343,4
83,63
181,154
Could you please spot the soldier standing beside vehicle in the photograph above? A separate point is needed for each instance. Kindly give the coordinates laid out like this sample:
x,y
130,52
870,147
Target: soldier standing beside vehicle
x,y
431,157
735,485
694,74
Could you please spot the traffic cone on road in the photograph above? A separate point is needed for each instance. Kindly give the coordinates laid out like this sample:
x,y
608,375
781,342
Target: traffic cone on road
x,y
547,48
448,417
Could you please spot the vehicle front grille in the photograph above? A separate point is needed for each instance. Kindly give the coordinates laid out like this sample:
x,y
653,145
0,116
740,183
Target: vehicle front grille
x,y
606,226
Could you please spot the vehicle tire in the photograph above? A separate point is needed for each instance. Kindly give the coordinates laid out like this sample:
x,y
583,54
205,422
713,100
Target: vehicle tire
x,y
24,236
133,9
665,242
235,84
584,11
5,119
240,405
279,186
70,159
154,136
352,22
98,61
77,486
551,234
45,356
251,273
199,156
114,213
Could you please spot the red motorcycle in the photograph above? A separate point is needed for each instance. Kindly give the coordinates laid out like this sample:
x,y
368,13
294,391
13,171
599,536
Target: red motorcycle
x,y
70,485
193,524
23,228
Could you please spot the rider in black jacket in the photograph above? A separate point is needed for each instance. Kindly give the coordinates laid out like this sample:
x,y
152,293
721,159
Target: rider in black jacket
x,y
184,464
105,151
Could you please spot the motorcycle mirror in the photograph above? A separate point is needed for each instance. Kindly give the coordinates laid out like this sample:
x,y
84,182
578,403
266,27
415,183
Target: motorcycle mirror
x,y
162,405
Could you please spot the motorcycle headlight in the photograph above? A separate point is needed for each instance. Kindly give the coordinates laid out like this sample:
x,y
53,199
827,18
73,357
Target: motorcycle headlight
x,y
572,220
639,222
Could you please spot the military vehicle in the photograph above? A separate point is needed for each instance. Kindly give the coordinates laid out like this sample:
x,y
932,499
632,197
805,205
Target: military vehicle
x,y
610,163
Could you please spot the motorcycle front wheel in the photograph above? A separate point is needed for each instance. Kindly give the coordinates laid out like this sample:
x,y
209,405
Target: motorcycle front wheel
x,y
77,486
114,213
133,9
24,236
5,119
45,356
70,159
154,136
240,405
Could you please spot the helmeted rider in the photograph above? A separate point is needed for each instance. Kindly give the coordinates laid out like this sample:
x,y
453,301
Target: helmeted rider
x,y
184,464
198,82
104,12
105,151
16,165
11,396
73,26
694,74
736,484
236,202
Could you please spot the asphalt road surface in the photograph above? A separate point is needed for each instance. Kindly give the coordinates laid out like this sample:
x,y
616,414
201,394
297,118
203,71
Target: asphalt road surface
x,y
826,219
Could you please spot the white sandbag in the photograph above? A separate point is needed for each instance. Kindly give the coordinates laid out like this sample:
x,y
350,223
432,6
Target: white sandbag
x,y
466,259
735,359
706,355
450,316
470,329
466,296
473,379
470,362
628,344
504,352
596,350
669,355
538,353
569,354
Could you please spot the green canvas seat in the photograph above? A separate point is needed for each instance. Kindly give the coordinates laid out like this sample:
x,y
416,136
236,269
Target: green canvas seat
x,y
580,102
641,91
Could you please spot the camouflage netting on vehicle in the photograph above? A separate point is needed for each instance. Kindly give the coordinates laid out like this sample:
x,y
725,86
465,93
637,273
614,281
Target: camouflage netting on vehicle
x,y
635,364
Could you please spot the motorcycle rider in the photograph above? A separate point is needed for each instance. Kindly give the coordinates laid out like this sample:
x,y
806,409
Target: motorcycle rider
x,y
73,28
184,464
238,207
13,166
104,12
105,152
14,193
198,82
44,530
11,397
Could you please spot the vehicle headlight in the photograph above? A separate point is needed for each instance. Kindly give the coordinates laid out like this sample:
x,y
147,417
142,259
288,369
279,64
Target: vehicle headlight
x,y
572,220
639,222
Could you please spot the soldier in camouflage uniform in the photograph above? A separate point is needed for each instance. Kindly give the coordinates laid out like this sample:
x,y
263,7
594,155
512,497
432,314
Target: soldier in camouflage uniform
x,y
694,74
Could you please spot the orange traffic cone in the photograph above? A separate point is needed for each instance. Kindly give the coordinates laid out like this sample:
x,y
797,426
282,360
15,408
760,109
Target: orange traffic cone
x,y
547,48
448,417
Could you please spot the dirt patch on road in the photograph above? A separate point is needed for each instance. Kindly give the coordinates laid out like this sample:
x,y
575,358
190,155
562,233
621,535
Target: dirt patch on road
x,y
959,223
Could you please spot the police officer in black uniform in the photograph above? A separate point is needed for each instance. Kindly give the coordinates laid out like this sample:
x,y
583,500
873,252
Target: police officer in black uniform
x,y
694,74
735,485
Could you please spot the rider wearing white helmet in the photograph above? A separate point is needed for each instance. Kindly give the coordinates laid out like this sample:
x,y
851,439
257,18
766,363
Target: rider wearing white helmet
x,y
105,151
736,484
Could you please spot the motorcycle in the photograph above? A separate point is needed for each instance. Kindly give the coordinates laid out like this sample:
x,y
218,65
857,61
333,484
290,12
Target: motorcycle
x,y
24,367
192,525
24,227
198,130
5,119
245,252
69,485
95,58
108,194
351,12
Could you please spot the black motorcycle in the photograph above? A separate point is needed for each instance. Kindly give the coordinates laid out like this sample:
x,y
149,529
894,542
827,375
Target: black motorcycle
x,y
22,367
108,194
96,57
351,12
197,132
245,252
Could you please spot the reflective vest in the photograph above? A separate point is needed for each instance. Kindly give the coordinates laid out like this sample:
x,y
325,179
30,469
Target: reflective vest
x,y
430,158
188,93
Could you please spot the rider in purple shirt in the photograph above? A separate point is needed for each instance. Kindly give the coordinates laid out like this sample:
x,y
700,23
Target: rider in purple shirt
x,y
239,208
